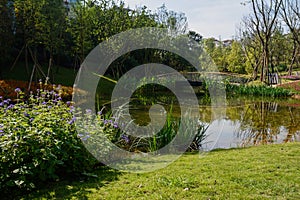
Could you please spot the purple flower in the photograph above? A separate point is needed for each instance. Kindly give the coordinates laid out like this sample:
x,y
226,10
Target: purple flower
x,y
26,114
1,131
72,109
86,138
31,119
72,120
49,107
44,103
88,111
115,125
2,134
6,101
10,106
18,90
68,103
125,137
1,104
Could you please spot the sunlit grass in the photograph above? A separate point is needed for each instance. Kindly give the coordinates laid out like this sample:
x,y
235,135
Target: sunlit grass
x,y
262,172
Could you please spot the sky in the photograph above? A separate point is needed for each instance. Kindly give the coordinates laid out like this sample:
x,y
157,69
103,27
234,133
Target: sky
x,y
210,18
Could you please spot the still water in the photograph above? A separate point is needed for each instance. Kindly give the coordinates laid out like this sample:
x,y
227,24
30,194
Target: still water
x,y
243,121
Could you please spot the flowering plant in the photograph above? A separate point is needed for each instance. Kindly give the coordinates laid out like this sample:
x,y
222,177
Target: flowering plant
x,y
39,140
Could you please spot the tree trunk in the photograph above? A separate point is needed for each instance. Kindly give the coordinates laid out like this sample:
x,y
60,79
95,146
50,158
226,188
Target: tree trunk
x,y
293,59
26,59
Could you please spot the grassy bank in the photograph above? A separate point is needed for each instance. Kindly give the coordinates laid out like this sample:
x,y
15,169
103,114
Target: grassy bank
x,y
263,172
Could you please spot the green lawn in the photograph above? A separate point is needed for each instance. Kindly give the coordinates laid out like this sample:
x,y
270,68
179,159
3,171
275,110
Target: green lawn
x,y
263,172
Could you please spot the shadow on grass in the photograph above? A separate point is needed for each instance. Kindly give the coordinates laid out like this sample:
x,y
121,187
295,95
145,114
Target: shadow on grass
x,y
75,187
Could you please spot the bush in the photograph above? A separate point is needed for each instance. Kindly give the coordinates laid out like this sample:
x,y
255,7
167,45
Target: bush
x,y
39,141
281,67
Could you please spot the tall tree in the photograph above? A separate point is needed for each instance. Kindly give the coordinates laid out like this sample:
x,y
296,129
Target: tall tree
x,y
236,59
265,19
52,24
28,25
290,13
6,32
176,22
251,46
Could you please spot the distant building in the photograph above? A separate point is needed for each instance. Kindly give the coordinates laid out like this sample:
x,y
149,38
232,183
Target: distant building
x,y
224,43
227,43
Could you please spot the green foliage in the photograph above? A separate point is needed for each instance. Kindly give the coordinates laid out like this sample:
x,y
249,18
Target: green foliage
x,y
39,141
236,59
218,52
6,32
88,23
165,136
281,67
257,90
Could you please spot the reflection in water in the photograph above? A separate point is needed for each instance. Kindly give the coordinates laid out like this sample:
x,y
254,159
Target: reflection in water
x,y
245,122
253,122
268,122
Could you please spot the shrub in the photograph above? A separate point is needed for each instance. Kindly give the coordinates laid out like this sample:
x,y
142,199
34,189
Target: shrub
x,y
39,141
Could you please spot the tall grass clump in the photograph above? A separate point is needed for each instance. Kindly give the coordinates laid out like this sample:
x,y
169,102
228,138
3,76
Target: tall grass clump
x,y
257,90
165,136
39,141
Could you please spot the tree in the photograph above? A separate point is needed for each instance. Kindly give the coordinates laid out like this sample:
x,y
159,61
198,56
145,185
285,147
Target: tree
x,y
290,13
251,46
265,19
28,26
176,22
280,48
52,28
236,59
6,32
88,23
218,52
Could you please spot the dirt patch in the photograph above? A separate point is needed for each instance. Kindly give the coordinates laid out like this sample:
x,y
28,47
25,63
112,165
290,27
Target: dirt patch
x,y
294,85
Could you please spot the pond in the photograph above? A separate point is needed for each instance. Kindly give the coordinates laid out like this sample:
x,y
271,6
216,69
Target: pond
x,y
252,121
243,121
